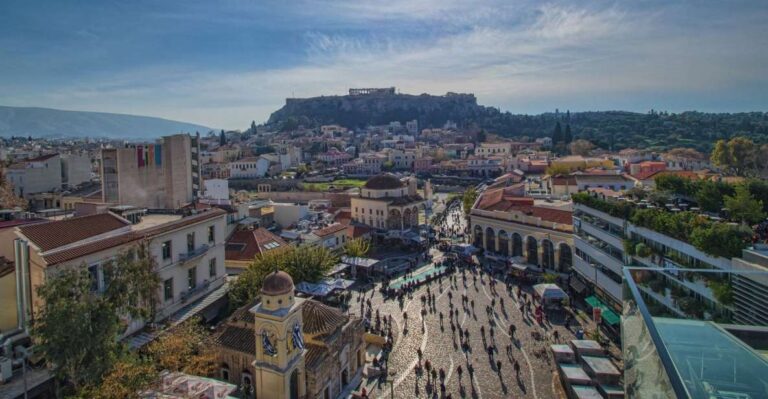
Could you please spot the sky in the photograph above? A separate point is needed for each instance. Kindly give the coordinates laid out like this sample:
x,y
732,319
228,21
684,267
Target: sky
x,y
225,63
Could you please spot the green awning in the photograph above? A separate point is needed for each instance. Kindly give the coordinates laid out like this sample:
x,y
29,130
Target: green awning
x,y
609,316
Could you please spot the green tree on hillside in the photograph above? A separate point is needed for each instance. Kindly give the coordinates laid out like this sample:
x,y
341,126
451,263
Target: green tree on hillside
x,y
742,206
738,156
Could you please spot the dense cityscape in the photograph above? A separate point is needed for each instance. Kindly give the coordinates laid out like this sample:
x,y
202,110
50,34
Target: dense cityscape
x,y
370,200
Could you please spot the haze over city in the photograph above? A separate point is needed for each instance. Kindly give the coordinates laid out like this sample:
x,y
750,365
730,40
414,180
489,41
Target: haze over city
x,y
223,64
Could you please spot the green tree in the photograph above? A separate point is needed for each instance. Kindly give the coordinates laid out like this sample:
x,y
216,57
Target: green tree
x,y
558,169
185,348
482,136
720,239
580,147
568,137
557,134
357,248
388,165
738,156
77,328
709,197
303,263
743,207
129,376
468,199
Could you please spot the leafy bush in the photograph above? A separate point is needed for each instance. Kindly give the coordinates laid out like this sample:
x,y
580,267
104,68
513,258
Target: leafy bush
x,y
642,250
720,239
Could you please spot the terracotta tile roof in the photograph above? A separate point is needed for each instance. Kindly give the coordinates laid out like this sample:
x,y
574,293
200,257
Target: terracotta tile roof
x,y
19,222
343,217
320,318
526,205
128,237
332,229
356,231
50,235
241,339
681,173
315,355
244,245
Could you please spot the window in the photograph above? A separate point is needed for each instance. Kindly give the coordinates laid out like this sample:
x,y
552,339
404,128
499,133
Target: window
x,y
167,250
190,242
192,278
211,233
93,270
212,268
168,289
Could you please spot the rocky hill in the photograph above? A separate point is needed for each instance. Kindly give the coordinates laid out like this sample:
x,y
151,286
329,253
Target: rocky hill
x,y
606,129
46,122
376,109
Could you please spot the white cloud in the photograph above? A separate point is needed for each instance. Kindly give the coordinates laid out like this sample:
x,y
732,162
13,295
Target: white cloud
x,y
509,54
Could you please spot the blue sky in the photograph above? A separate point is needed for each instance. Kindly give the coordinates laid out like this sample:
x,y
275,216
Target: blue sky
x,y
225,63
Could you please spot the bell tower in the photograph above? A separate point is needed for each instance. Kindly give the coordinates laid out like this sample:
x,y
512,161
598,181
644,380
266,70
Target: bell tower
x,y
279,363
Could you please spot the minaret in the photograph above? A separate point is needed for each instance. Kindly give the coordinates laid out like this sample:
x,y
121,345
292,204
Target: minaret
x,y
279,363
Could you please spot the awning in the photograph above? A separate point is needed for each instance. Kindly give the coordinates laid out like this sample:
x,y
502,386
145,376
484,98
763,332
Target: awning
x,y
578,285
609,316
519,266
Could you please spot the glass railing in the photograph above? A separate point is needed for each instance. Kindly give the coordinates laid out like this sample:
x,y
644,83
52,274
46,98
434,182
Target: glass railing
x,y
697,350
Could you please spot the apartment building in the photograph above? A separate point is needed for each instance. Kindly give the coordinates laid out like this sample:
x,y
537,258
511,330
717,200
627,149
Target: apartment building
x,y
35,175
500,149
606,244
188,251
161,175
75,169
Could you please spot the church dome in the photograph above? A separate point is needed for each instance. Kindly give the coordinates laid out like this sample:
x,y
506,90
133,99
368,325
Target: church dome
x,y
277,283
385,181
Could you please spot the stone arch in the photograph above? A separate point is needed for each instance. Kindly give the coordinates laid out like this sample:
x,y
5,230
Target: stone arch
x,y
490,239
478,233
566,258
532,248
394,220
517,244
503,243
415,216
547,254
407,217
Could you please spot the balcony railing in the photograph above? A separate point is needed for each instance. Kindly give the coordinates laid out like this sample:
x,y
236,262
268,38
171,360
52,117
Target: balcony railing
x,y
193,254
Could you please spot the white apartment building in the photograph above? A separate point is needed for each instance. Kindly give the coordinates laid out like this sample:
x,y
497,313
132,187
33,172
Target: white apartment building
x,y
35,175
501,149
75,169
251,167
188,251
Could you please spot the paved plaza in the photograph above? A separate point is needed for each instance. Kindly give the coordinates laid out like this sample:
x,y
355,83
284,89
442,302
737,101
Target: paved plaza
x,y
462,341
441,345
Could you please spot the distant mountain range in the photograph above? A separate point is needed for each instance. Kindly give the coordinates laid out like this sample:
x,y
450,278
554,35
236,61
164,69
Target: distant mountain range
x,y
46,122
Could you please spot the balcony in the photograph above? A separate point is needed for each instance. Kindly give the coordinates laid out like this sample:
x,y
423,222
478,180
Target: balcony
x,y
591,273
194,254
601,233
599,254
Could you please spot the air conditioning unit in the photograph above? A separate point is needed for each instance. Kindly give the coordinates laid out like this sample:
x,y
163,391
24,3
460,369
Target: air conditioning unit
x,y
6,369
